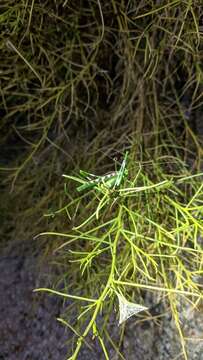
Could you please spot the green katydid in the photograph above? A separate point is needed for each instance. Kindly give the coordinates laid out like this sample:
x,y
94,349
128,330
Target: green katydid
x,y
111,180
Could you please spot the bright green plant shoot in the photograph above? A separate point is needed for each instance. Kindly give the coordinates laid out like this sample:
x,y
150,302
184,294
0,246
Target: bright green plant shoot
x,y
111,180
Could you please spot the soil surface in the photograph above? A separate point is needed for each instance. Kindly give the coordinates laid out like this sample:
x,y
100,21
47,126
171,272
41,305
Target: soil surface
x,y
29,329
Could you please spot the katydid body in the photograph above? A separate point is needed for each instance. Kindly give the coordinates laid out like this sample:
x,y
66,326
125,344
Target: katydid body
x,y
108,180
111,180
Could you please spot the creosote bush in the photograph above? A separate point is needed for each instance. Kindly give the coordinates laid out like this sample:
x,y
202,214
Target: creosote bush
x,y
81,81
143,236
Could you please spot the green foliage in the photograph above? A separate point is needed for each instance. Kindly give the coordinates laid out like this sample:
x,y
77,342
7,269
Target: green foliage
x,y
142,236
80,82
90,66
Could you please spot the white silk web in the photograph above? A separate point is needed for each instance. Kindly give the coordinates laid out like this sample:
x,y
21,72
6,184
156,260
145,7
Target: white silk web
x,y
127,308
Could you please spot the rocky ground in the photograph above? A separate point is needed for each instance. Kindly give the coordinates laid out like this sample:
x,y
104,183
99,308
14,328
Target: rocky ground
x,y
29,329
